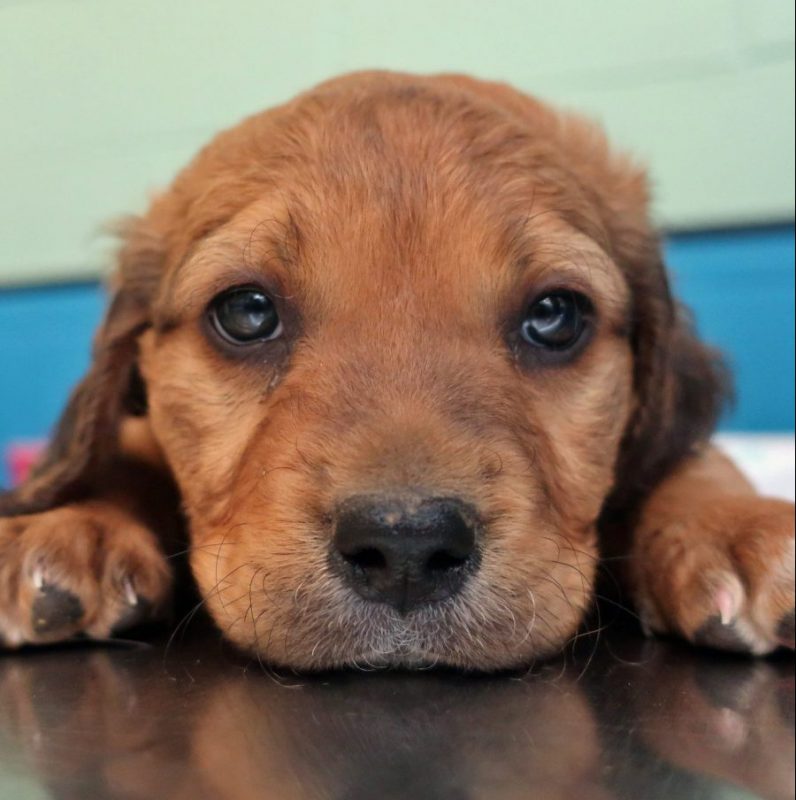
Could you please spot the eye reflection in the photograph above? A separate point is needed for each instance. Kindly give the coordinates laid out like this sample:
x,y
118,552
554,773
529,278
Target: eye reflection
x,y
245,315
555,321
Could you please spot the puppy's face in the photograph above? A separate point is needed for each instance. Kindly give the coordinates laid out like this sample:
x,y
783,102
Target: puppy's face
x,y
391,379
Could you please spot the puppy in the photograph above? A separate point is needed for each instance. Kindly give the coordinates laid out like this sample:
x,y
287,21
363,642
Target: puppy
x,y
403,353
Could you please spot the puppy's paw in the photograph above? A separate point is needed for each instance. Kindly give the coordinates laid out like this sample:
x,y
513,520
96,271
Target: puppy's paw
x,y
723,578
87,568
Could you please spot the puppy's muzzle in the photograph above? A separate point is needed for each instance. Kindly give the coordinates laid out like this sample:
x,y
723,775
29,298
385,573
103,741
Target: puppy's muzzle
x,y
406,552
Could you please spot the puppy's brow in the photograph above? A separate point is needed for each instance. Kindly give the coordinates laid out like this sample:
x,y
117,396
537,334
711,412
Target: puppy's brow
x,y
281,240
271,242
583,266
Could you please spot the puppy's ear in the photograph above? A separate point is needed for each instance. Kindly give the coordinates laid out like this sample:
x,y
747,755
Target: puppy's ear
x,y
681,384
85,440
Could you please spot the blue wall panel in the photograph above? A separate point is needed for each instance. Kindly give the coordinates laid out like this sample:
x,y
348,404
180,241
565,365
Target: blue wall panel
x,y
740,285
45,339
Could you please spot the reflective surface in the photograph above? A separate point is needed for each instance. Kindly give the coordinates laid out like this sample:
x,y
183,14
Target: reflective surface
x,y
624,719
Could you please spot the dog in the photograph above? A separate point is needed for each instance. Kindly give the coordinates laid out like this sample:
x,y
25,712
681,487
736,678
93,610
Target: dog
x,y
402,357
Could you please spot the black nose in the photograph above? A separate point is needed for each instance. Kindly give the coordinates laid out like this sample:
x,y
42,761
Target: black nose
x,y
405,552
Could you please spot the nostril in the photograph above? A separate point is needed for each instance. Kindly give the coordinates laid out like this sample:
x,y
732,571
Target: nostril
x,y
445,561
368,558
404,552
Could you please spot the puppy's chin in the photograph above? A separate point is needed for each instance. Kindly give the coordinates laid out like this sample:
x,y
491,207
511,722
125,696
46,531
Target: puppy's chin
x,y
481,629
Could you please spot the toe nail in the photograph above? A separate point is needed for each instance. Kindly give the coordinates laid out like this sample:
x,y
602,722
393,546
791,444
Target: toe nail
x,y
129,591
54,609
727,605
37,576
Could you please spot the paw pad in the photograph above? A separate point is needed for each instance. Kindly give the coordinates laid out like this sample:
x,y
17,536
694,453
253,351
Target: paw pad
x,y
55,609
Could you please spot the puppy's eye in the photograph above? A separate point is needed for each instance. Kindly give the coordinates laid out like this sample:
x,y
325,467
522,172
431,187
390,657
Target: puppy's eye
x,y
245,315
556,320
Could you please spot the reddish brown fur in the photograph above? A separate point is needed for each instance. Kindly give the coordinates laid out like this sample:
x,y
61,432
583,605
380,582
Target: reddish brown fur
x,y
402,223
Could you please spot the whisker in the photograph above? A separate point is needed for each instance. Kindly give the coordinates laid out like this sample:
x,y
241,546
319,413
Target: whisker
x,y
195,547
186,620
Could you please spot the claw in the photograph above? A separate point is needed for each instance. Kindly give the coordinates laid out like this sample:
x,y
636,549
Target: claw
x,y
727,606
728,597
37,577
129,591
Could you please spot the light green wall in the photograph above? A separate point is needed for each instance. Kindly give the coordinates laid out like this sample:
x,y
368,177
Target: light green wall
x,y
102,100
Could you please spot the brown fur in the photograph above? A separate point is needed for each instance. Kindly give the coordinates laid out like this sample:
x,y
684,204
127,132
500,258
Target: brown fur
x,y
401,224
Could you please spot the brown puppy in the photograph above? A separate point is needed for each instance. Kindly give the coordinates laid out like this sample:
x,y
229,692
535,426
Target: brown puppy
x,y
405,347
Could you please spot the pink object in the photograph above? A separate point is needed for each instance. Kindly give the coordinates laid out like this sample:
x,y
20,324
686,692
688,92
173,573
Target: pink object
x,y
21,457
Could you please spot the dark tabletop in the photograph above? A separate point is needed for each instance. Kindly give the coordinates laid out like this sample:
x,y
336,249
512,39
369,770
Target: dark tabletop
x,y
619,717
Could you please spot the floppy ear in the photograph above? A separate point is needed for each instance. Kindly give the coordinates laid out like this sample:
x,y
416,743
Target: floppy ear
x,y
681,385
85,439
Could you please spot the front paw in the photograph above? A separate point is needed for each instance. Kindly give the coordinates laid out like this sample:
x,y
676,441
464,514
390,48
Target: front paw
x,y
87,568
723,578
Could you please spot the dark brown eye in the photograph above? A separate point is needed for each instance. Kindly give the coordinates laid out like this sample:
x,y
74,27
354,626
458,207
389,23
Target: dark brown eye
x,y
245,315
555,321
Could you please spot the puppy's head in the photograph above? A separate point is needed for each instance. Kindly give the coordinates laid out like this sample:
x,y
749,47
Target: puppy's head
x,y
400,339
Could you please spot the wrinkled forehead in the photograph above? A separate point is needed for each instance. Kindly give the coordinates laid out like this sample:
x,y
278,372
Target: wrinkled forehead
x,y
334,259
